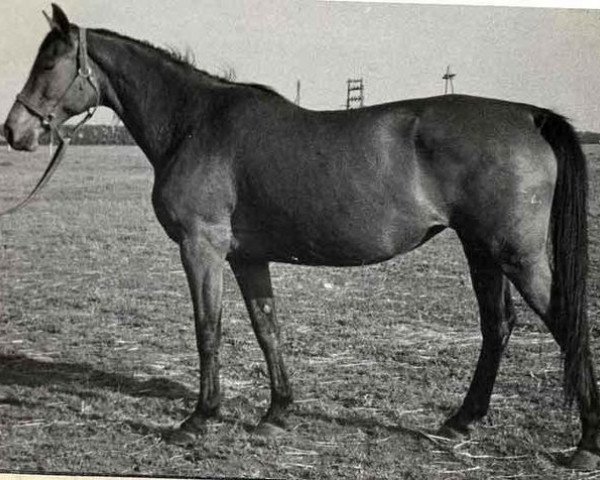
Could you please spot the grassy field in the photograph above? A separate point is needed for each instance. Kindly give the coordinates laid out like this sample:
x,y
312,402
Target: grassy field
x,y
98,359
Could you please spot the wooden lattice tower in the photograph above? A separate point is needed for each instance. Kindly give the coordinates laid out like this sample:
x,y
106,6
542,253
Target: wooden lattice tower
x,y
356,93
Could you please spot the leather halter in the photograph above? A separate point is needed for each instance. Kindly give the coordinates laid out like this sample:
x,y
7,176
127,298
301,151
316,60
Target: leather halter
x,y
47,116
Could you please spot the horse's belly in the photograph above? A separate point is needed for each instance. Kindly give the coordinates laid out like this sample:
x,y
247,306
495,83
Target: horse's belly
x,y
329,244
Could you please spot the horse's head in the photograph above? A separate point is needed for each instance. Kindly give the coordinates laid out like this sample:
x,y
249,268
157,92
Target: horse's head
x,y
59,86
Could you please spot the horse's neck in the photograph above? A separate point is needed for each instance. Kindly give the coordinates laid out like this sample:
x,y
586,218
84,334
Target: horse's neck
x,y
149,93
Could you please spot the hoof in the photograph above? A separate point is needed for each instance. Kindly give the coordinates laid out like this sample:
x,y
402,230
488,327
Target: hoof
x,y
191,430
584,460
270,430
453,433
181,437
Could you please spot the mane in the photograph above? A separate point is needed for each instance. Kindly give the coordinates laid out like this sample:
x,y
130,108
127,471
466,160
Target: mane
x,y
185,60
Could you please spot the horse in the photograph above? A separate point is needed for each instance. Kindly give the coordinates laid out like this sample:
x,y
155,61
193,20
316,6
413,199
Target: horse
x,y
244,177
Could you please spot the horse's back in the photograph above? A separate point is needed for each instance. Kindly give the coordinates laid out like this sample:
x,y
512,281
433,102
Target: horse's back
x,y
339,188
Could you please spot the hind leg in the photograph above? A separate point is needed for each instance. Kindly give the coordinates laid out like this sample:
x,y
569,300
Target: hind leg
x,y
497,319
534,281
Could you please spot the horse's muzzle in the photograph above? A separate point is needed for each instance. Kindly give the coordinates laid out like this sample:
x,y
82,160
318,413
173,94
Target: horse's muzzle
x,y
21,129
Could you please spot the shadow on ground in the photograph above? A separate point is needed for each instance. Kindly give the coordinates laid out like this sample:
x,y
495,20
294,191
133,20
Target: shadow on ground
x,y
29,372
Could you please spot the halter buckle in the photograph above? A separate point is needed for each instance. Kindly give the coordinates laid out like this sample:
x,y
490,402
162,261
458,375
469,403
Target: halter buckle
x,y
85,72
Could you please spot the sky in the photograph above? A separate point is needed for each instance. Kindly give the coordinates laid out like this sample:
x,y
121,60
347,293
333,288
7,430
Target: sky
x,y
547,57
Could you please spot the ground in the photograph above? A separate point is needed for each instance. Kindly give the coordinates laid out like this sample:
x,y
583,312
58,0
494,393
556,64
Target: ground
x,y
98,359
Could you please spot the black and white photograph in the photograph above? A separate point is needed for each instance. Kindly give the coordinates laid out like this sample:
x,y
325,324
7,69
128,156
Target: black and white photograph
x,y
300,239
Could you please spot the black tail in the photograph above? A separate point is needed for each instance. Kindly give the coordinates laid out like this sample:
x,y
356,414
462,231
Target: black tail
x,y
569,235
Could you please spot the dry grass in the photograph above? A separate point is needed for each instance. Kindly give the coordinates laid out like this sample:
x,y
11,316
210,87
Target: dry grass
x,y
98,361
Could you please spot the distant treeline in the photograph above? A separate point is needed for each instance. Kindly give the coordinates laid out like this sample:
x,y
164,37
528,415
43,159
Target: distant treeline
x,y
119,135
589,137
92,135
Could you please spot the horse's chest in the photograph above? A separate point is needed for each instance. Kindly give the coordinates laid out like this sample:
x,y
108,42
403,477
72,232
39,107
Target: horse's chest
x,y
187,205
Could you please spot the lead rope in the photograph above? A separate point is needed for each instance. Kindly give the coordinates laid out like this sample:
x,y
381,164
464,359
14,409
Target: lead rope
x,y
85,72
54,162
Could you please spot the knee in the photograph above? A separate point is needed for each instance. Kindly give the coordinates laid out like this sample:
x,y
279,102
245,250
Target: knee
x,y
208,343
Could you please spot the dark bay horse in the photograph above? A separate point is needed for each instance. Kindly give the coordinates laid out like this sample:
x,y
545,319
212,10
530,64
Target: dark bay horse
x,y
245,177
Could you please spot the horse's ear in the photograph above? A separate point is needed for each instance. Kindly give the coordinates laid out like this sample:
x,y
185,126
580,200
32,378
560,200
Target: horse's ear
x,y
47,17
59,20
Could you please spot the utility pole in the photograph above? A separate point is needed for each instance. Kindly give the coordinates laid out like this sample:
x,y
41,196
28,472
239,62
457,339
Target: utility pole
x,y
297,101
448,76
355,93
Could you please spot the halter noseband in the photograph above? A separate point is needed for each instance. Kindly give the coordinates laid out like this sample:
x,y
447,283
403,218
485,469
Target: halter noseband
x,y
84,71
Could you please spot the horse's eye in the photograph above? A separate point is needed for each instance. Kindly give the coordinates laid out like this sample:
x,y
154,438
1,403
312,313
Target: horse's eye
x,y
48,66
